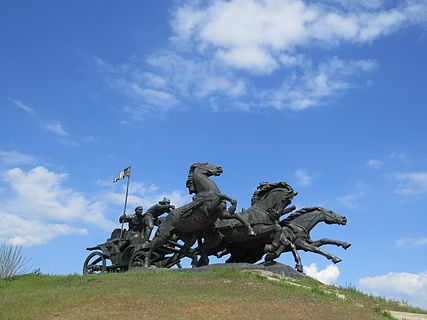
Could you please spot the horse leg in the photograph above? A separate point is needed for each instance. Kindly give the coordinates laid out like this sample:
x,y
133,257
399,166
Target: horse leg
x,y
184,250
187,245
227,215
236,253
297,257
157,242
303,245
233,202
271,247
284,244
230,214
222,253
163,234
338,243
282,248
147,231
213,241
204,260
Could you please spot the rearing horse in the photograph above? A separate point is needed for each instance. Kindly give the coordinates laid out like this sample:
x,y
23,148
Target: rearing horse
x,y
187,221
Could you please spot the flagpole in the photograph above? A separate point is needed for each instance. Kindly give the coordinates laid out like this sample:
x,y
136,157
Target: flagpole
x,y
126,202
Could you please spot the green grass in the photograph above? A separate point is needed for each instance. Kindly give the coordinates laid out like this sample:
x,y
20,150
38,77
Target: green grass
x,y
213,294
379,302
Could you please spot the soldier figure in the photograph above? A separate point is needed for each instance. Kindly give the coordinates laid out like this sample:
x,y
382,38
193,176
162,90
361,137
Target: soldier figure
x,y
151,216
136,225
136,221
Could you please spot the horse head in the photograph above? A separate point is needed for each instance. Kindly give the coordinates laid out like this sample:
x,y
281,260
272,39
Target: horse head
x,y
202,170
206,169
331,217
273,196
309,217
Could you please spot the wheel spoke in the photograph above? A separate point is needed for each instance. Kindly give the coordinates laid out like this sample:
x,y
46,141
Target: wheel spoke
x,y
97,261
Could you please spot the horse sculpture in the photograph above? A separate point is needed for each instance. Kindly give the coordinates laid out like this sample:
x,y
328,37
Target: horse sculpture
x,y
296,230
188,221
247,236
268,203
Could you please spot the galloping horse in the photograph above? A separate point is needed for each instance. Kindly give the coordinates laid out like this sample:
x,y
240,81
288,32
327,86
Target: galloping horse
x,y
295,233
187,221
268,204
297,227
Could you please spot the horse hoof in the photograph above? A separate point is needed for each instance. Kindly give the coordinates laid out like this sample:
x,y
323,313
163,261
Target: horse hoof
x,y
336,260
269,257
268,248
277,253
299,268
252,233
346,245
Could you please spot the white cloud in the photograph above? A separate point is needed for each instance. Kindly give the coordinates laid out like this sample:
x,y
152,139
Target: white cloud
x,y
38,206
178,79
21,105
197,77
56,126
262,37
153,97
416,11
400,286
27,232
147,89
394,159
312,86
221,51
411,242
15,158
358,4
397,158
327,276
141,194
374,164
351,200
250,35
303,177
39,194
412,183
152,80
244,34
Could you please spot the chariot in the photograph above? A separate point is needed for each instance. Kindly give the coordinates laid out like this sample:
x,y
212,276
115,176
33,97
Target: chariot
x,y
125,250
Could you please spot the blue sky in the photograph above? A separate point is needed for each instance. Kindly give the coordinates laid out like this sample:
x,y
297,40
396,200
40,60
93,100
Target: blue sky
x,y
329,96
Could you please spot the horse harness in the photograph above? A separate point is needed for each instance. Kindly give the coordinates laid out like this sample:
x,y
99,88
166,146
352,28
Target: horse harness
x,y
198,200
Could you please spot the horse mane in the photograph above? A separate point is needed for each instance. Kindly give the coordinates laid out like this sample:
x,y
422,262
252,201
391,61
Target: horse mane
x,y
265,187
300,212
190,181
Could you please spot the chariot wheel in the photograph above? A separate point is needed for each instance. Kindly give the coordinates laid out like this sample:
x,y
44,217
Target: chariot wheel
x,y
137,260
95,263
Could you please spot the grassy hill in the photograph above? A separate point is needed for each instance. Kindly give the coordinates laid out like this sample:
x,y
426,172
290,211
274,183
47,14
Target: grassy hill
x,y
214,294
